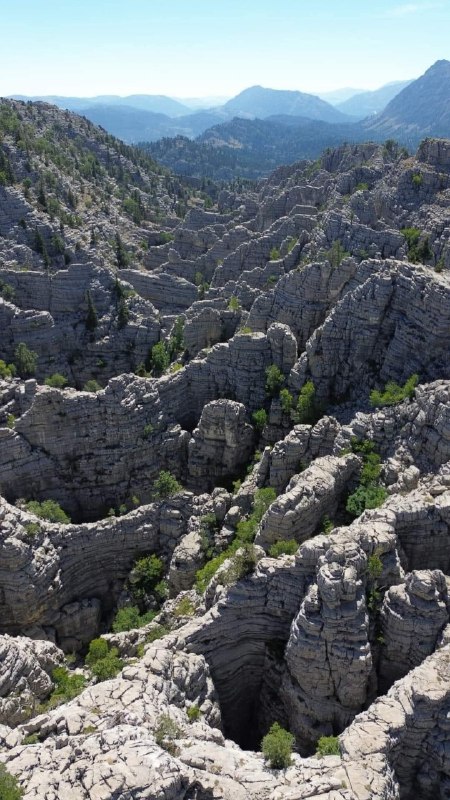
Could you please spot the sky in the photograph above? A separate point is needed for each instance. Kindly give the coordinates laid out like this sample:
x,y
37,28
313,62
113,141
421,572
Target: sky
x,y
197,48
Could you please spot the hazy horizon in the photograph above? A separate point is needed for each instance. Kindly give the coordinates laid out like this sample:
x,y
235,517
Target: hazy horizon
x,y
205,49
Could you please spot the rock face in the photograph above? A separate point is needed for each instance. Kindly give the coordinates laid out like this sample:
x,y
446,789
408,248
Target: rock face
x,y
221,445
26,668
308,498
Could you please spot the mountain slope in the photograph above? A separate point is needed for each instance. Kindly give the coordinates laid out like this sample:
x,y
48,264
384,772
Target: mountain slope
x,y
260,102
421,109
251,148
366,103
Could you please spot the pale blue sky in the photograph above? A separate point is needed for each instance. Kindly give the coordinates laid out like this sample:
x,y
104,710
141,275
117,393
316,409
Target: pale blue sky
x,y
215,47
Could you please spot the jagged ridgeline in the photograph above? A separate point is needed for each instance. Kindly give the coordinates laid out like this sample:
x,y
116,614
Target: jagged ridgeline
x,y
224,473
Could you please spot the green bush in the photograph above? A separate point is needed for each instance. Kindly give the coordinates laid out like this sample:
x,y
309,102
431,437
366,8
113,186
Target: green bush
x,y
287,401
336,254
56,380
103,661
167,730
49,510
92,386
327,524
67,687
328,746
245,534
193,713
129,618
184,608
374,567
277,747
306,412
6,290
274,254
234,304
176,342
243,563
98,649
156,633
393,393
26,360
418,251
283,547
7,370
369,493
259,419
160,358
166,485
9,787
274,380
365,497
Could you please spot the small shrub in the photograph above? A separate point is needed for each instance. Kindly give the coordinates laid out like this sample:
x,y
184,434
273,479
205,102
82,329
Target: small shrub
x,y
365,497
283,547
148,429
145,575
160,358
327,524
32,738
242,564
7,370
287,401
193,713
49,510
10,421
156,633
9,786
374,567
185,608
166,485
92,386
274,254
129,618
306,412
108,667
290,244
67,687
328,746
393,393
32,528
166,731
56,380
6,290
277,747
245,330
98,649
274,380
259,419
234,304
417,180
26,360
336,254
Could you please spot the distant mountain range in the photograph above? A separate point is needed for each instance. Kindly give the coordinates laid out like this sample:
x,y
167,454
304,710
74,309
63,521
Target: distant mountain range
x,y
138,118
251,148
261,128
